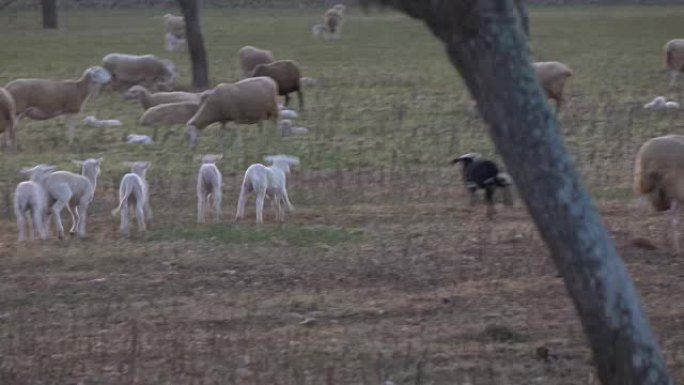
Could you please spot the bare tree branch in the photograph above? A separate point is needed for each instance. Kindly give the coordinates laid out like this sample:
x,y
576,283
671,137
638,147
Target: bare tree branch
x,y
485,44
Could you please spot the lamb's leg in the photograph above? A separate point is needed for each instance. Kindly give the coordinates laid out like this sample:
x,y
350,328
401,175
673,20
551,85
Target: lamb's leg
x,y
286,198
216,197
21,222
81,212
261,195
123,227
275,207
32,227
673,77
140,216
674,222
200,207
71,208
56,212
38,224
70,120
244,190
148,210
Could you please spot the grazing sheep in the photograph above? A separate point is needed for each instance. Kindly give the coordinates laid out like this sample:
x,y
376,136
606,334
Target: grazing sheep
x,y
42,99
8,111
480,173
250,57
657,103
75,192
552,76
659,177
286,128
147,70
267,181
93,121
248,101
174,44
32,196
138,139
134,194
287,75
209,183
149,100
174,25
170,114
674,58
333,19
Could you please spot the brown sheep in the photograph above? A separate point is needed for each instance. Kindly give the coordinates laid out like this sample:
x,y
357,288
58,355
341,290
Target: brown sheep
x,y
8,112
250,57
674,58
659,177
287,75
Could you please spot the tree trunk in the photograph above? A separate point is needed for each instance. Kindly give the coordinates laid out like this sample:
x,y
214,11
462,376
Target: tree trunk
x,y
49,14
484,43
193,33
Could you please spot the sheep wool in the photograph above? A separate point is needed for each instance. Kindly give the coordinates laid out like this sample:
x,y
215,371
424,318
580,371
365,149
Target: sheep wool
x,y
674,58
249,57
147,70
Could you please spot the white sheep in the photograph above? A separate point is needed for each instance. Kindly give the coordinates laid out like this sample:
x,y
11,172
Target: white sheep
x,y
75,192
147,70
659,177
286,128
672,105
134,194
94,122
148,100
674,58
209,184
42,99
333,19
267,181
31,196
138,139
249,57
658,103
8,112
248,101
170,114
173,43
552,76
174,25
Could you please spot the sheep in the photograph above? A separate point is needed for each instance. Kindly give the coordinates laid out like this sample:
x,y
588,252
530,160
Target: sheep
x,y
174,25
149,100
552,76
318,30
8,111
75,192
248,101
481,173
287,75
169,114
134,193
286,128
674,58
42,99
32,196
147,70
659,177
174,44
138,139
267,181
672,105
332,19
93,121
659,102
209,183
250,57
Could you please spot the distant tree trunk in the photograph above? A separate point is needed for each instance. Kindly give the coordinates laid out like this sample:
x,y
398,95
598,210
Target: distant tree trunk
x,y
193,33
484,43
49,14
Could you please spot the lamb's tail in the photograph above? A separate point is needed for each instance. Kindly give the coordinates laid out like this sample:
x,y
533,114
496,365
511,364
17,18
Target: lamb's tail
x,y
123,198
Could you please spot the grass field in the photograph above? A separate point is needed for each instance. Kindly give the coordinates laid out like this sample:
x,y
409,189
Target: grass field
x,y
384,272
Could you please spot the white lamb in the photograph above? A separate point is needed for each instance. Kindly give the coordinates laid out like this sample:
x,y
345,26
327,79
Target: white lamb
x,y
672,104
138,139
134,193
31,196
267,181
93,121
209,183
287,113
173,43
657,103
73,191
286,128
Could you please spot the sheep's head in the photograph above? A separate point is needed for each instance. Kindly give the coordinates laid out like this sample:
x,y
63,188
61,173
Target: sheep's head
x,y
38,172
282,162
135,92
138,168
98,75
90,168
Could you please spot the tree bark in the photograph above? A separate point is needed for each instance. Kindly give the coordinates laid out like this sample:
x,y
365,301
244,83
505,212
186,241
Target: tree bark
x,y
49,14
485,45
193,33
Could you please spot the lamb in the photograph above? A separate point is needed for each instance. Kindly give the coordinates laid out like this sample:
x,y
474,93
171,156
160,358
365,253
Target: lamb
x,y
174,44
75,192
672,105
147,70
674,58
287,75
307,81
286,128
287,113
138,139
658,103
481,173
8,111
174,25
318,30
248,101
267,181
658,176
149,100
250,57
93,121
42,99
32,196
209,183
332,19
134,193
169,114
552,76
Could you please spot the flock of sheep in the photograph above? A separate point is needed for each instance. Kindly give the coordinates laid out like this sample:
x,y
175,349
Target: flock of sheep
x,y
252,100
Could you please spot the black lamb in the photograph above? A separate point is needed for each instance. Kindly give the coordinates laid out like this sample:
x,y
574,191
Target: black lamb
x,y
480,173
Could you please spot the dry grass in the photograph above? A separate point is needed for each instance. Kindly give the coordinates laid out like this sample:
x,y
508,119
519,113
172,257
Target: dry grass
x,y
384,273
